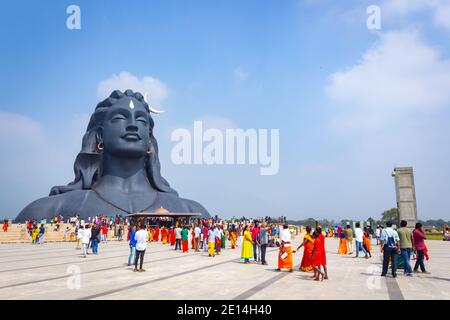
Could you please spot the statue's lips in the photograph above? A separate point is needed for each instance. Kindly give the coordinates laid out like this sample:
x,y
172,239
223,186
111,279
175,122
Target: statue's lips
x,y
131,136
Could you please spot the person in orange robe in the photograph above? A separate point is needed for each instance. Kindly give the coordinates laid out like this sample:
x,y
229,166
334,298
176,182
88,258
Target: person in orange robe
x,y
193,238
233,238
308,244
150,234
163,235
317,255
366,241
156,234
330,232
285,252
342,250
5,226
172,236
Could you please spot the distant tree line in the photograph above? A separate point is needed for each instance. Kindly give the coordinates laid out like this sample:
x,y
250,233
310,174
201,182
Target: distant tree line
x,y
387,215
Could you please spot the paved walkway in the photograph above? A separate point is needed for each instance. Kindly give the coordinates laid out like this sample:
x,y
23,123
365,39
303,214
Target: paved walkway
x,y
56,271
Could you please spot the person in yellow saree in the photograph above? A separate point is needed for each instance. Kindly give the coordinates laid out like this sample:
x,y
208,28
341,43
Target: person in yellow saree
x,y
342,250
308,244
35,234
211,242
247,246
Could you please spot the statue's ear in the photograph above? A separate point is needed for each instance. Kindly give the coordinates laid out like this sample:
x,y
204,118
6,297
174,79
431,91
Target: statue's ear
x,y
99,134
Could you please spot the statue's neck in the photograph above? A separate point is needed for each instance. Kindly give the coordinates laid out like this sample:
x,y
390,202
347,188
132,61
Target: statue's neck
x,y
125,175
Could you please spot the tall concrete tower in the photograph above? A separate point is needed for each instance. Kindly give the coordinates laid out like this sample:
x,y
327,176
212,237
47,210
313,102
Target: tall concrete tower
x,y
406,195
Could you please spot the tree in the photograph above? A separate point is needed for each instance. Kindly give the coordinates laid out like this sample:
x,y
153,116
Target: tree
x,y
390,215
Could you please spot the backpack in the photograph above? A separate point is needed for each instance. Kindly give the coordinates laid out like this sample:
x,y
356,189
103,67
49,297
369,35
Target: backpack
x,y
390,242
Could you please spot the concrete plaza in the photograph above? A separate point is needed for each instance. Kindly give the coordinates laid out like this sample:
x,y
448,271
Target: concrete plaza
x,y
57,271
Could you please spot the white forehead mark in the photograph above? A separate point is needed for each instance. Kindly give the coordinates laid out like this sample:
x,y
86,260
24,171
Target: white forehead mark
x,y
131,104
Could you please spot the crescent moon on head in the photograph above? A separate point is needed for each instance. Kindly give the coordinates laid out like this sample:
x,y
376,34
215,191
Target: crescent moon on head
x,y
152,109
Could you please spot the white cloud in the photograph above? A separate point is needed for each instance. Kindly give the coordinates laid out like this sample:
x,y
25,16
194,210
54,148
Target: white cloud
x,y
35,158
240,74
157,90
395,101
399,75
439,9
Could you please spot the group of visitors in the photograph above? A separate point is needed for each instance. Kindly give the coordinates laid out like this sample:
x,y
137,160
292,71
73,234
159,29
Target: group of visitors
x,y
314,253
405,242
397,246
36,231
138,238
89,237
362,241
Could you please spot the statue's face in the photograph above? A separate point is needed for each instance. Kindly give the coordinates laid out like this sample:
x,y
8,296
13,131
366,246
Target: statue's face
x,y
126,129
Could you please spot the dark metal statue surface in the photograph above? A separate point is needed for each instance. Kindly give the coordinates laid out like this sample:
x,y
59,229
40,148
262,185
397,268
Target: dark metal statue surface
x,y
117,170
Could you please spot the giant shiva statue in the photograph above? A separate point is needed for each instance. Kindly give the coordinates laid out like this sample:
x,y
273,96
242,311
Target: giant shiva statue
x,y
117,170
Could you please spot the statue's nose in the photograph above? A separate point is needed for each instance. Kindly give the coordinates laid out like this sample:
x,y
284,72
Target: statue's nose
x,y
132,127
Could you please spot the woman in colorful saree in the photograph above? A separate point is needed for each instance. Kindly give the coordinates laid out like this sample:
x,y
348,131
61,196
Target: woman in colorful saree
x,y
342,250
223,239
366,241
233,238
247,246
163,235
317,256
308,244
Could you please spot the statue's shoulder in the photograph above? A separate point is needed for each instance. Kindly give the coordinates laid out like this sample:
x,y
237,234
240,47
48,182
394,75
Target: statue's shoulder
x,y
47,207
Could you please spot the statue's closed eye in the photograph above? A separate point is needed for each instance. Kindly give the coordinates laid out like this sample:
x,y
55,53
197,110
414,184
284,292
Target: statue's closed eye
x,y
142,119
118,117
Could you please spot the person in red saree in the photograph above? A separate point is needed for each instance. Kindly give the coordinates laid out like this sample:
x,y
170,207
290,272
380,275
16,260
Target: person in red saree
x,y
163,235
308,244
5,226
324,253
317,255
285,252
171,236
156,234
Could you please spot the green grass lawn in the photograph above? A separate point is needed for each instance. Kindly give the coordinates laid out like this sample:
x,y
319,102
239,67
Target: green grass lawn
x,y
434,237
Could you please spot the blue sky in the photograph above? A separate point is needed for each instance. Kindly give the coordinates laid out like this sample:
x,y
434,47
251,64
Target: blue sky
x,y
350,103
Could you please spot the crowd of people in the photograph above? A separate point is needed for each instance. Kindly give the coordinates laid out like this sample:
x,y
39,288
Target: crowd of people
x,y
397,246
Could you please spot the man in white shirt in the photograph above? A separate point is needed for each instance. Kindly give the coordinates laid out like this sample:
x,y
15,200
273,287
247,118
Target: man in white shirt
x,y
85,235
390,247
359,235
141,238
178,238
285,235
378,234
197,232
